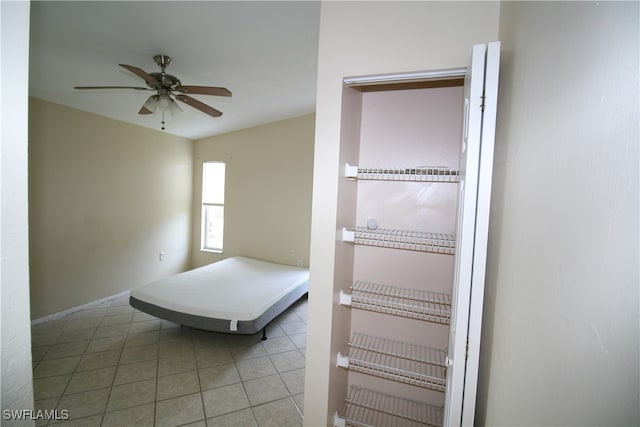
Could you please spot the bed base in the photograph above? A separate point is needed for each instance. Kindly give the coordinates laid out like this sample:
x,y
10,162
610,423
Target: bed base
x,y
248,327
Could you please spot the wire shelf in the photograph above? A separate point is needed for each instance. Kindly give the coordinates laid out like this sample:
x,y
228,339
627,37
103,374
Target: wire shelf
x,y
421,241
365,407
397,361
404,302
416,174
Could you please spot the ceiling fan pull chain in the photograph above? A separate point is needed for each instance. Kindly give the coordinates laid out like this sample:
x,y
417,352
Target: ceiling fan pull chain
x,y
162,119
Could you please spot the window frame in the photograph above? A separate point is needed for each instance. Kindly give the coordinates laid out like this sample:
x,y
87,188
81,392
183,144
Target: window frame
x,y
204,211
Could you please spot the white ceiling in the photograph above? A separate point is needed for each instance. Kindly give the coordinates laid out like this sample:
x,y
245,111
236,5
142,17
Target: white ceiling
x,y
264,52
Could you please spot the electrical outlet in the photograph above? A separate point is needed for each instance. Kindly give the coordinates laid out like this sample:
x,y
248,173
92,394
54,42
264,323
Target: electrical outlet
x,y
161,256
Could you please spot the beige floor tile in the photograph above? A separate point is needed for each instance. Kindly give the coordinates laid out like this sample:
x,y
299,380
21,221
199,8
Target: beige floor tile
x,y
67,349
218,376
299,340
278,345
175,366
274,331
82,323
84,404
98,360
115,366
138,416
133,394
139,354
38,353
294,380
177,385
144,338
223,400
139,316
111,331
44,388
288,361
299,401
286,317
219,356
179,410
292,328
243,340
146,326
135,372
91,380
281,413
248,352
176,332
176,349
255,368
92,421
44,337
118,319
75,335
242,418
265,389
55,367
104,344
45,404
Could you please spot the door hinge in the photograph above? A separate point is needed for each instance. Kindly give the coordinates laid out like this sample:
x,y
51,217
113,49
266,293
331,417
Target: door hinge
x,y
483,97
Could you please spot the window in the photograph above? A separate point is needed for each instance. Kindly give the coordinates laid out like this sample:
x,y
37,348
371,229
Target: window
x,y
212,206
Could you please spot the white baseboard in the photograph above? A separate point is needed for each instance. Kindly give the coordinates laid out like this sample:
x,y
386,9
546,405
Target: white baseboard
x,y
78,308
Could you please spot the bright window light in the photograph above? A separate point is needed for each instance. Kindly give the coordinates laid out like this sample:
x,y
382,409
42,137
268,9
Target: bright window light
x,y
213,177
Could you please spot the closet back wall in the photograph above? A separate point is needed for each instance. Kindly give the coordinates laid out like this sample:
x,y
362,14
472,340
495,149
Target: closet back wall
x,y
269,172
105,198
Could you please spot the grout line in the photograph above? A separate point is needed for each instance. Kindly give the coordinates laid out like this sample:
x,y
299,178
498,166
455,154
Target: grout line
x,y
225,343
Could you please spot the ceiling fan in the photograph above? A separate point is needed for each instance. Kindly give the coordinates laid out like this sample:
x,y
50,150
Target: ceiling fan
x,y
168,88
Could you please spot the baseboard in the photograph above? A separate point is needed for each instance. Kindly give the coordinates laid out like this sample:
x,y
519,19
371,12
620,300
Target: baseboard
x,y
78,308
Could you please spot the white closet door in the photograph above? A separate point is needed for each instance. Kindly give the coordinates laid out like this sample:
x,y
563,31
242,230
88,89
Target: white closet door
x,y
475,186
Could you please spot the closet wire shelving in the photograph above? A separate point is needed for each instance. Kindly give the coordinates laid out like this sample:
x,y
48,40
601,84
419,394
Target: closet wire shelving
x,y
421,241
415,174
365,407
404,302
398,361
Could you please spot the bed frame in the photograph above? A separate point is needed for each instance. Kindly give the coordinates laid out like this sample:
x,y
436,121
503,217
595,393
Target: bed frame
x,y
145,300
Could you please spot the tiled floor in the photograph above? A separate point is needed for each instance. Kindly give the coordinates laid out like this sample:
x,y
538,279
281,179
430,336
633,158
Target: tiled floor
x,y
112,365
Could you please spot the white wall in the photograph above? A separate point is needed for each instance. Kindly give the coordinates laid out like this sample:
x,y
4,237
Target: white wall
x,y
359,38
15,346
560,337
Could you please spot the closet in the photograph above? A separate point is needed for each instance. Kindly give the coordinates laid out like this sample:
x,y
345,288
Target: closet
x,y
413,205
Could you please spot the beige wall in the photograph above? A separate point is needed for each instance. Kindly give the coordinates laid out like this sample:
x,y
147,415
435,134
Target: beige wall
x,y
105,198
359,38
560,332
267,192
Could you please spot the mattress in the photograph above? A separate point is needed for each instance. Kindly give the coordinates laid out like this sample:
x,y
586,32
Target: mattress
x,y
238,295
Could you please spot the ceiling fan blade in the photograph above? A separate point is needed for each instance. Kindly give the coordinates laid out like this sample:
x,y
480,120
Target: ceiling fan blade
x,y
149,106
150,80
110,87
199,105
204,90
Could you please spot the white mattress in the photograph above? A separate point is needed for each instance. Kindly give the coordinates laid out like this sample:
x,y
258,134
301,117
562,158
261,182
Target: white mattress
x,y
237,289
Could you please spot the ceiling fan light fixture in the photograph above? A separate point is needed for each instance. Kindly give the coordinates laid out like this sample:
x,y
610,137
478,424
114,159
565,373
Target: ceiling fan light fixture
x,y
174,108
152,103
